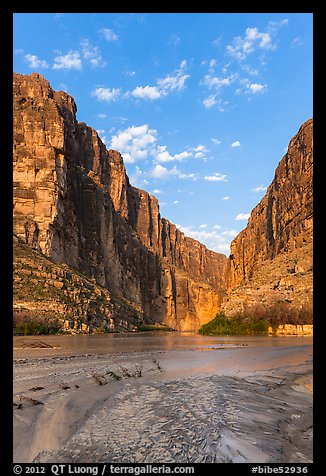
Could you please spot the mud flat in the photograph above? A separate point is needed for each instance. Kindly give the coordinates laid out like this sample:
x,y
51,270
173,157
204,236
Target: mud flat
x,y
245,400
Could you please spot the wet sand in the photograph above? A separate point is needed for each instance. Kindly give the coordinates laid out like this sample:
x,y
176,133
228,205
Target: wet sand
x,y
231,400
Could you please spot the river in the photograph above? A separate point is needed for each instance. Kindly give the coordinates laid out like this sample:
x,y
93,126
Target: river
x,y
162,397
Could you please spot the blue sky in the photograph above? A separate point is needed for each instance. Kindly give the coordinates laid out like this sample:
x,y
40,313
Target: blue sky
x,y
201,106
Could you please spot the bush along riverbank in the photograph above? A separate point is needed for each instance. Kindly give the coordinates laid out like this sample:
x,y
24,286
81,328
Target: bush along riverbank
x,y
278,319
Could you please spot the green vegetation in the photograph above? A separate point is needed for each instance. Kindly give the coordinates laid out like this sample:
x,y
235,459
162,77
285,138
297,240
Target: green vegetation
x,y
256,319
154,328
222,325
25,324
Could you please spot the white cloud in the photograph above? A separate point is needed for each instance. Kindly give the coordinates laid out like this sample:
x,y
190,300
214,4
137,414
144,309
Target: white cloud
x,y
236,144
215,141
182,155
146,92
203,225
217,41
258,189
109,34
34,62
253,39
210,101
160,172
92,54
216,177
214,240
157,191
216,227
163,155
140,142
69,61
101,115
170,83
232,233
226,198
242,216
191,176
175,202
257,88
214,82
248,69
106,94
135,142
246,87
130,73
173,82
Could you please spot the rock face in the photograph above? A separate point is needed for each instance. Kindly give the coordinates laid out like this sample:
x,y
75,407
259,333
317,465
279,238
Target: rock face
x,y
271,259
73,202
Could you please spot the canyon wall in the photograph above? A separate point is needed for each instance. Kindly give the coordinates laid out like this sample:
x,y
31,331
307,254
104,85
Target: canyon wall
x,y
272,258
73,203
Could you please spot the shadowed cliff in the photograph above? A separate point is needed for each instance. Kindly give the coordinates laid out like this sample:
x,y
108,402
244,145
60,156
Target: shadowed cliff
x,y
73,202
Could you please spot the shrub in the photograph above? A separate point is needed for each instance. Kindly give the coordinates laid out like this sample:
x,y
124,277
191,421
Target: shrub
x,y
257,318
25,324
222,325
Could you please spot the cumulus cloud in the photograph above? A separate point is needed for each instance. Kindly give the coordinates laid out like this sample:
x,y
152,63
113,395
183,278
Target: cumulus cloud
x,y
34,62
92,54
160,172
164,86
214,240
157,191
236,144
210,101
163,173
106,94
69,61
109,34
175,202
135,142
203,225
146,92
242,216
215,141
253,39
226,198
214,82
255,88
163,155
216,177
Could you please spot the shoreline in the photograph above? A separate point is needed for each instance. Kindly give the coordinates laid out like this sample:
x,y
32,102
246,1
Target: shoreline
x,y
232,403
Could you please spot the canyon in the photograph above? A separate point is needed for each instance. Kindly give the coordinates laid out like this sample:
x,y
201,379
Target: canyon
x,y
94,250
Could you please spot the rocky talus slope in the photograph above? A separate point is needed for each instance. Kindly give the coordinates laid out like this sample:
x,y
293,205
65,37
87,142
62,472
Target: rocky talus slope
x,y
272,258
74,204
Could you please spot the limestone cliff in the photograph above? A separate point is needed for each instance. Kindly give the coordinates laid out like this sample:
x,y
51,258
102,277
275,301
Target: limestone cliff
x,y
271,259
73,202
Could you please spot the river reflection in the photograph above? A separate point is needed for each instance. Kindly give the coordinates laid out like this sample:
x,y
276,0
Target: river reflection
x,y
40,346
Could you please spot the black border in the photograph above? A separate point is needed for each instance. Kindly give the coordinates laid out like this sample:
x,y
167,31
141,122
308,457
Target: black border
x,y
6,58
